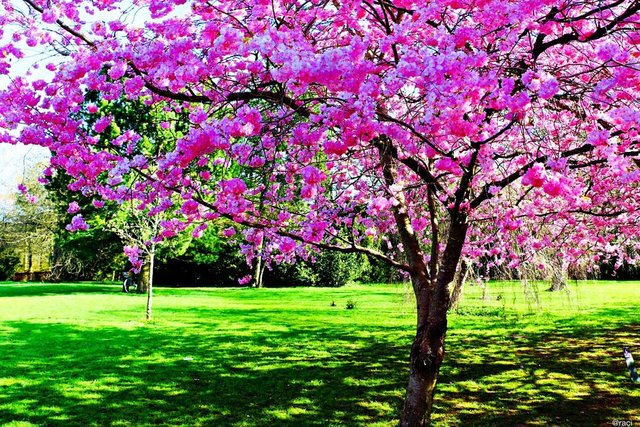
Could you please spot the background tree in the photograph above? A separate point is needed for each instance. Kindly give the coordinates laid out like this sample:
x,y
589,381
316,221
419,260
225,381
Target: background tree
x,y
140,231
446,129
28,229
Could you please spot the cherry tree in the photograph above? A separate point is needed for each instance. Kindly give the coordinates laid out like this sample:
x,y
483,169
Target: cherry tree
x,y
438,130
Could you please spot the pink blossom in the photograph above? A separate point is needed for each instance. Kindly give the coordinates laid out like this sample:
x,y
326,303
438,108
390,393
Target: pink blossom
x,y
198,117
77,223
553,187
190,207
312,175
535,176
287,245
234,186
548,88
74,207
245,280
598,138
379,204
448,165
334,147
49,16
117,70
102,123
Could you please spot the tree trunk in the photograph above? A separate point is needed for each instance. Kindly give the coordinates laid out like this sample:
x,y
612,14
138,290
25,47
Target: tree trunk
x,y
431,289
145,274
559,277
152,258
259,272
427,350
457,288
427,354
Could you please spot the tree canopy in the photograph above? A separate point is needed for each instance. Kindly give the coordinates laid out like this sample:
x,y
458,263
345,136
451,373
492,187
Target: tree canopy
x,y
480,129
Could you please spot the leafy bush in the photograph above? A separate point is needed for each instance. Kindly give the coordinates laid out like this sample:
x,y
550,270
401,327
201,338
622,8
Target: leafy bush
x,y
9,262
329,269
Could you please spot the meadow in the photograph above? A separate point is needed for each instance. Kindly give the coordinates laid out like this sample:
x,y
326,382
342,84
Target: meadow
x,y
82,355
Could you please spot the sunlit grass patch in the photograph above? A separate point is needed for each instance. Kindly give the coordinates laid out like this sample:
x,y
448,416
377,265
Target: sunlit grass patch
x,y
79,355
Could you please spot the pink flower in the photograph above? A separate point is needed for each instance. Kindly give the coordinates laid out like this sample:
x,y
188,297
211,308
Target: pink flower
x,y
548,88
73,208
102,123
228,232
198,117
334,147
117,70
535,176
379,204
312,175
49,16
598,138
92,108
448,165
553,187
245,280
77,223
287,245
190,207
234,186
308,192
419,224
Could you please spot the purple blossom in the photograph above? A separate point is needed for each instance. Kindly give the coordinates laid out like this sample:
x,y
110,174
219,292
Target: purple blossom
x,y
77,223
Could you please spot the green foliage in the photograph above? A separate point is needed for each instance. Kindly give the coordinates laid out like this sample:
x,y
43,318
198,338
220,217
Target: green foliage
x,y
330,268
9,262
285,357
94,254
207,261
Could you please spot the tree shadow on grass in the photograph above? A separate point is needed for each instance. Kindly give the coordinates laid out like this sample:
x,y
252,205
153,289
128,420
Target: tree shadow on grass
x,y
66,376
246,367
570,374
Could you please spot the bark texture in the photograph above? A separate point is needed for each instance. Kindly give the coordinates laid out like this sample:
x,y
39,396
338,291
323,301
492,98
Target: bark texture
x,y
144,278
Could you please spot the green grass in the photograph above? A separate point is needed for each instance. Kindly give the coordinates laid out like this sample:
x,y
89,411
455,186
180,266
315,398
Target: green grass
x,y
81,355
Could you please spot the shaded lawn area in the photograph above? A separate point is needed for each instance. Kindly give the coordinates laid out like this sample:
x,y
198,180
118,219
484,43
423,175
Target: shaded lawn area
x,y
80,354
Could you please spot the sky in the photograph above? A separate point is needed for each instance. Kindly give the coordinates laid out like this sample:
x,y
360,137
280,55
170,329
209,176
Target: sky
x,y
14,159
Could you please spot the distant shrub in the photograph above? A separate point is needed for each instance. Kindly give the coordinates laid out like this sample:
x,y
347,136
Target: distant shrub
x,y
329,269
350,305
9,262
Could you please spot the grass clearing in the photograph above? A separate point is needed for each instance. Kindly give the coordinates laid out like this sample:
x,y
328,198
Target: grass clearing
x,y
82,355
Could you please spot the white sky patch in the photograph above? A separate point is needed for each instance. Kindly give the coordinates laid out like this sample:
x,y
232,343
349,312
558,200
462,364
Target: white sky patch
x,y
15,159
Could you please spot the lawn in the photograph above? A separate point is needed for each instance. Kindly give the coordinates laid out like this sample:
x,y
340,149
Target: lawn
x,y
81,355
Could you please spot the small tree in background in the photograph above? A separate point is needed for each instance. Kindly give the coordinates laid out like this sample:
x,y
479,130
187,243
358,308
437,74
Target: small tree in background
x,y
140,233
